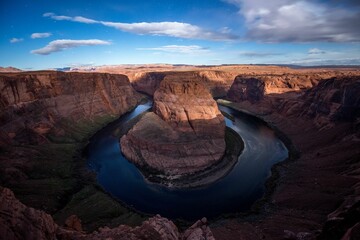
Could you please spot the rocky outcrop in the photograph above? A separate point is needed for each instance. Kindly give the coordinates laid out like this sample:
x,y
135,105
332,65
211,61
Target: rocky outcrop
x,y
33,104
199,230
184,135
18,221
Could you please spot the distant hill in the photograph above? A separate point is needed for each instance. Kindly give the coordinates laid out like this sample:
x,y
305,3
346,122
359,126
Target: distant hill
x,y
9,69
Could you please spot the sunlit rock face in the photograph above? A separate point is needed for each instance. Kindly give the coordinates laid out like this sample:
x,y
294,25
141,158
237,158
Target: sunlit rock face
x,y
184,134
33,105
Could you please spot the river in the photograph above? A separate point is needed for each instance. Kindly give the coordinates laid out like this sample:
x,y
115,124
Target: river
x,y
235,192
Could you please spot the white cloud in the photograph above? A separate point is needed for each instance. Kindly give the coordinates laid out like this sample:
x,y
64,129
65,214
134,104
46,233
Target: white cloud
x,y
298,21
59,45
40,35
16,40
314,51
67,18
172,29
191,49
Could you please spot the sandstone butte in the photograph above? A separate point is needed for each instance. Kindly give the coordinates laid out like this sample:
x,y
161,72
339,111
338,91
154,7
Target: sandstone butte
x,y
183,135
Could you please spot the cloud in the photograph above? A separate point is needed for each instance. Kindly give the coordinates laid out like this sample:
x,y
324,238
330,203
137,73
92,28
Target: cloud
x,y
59,45
314,51
67,18
16,40
259,54
191,49
40,35
171,29
298,21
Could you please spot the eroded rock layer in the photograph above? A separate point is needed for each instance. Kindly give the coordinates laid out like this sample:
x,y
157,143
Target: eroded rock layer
x,y
185,134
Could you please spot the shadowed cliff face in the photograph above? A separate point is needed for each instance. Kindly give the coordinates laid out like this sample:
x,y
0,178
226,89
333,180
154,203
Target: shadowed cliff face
x,y
33,104
336,99
331,100
254,88
185,134
319,191
217,82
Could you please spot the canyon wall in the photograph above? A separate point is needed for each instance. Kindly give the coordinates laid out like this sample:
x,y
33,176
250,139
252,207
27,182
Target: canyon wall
x,y
33,104
218,82
330,100
46,118
317,194
276,80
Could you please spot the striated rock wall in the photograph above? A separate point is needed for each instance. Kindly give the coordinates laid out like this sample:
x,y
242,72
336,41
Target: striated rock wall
x,y
185,134
187,106
32,104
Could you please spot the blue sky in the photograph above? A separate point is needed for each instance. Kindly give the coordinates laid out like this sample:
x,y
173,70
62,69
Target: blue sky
x,y
41,34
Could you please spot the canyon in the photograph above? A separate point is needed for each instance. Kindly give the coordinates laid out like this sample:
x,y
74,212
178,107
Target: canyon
x,y
47,117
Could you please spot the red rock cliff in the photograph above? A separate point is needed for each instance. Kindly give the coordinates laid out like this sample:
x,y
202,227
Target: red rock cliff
x,y
33,103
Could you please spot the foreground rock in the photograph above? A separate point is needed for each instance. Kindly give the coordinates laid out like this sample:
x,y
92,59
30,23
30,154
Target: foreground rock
x,y
184,135
19,222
